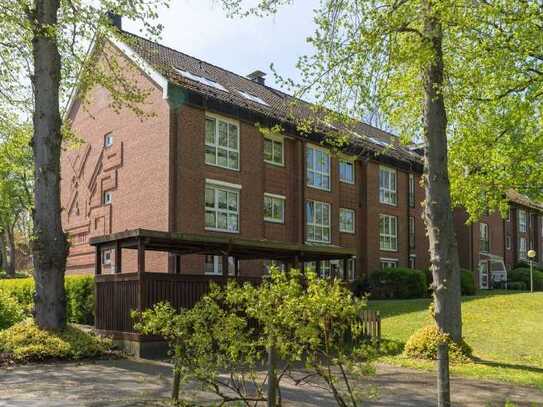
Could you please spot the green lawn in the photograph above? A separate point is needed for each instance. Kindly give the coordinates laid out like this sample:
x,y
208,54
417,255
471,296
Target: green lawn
x,y
504,329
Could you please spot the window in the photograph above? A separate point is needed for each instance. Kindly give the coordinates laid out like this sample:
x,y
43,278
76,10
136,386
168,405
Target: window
x,y
213,265
222,143
274,208
389,263
509,215
318,168
411,232
107,198
412,262
508,242
346,220
522,223
326,269
351,269
221,208
388,232
411,190
273,151
108,140
346,171
522,249
317,222
387,185
106,258
484,238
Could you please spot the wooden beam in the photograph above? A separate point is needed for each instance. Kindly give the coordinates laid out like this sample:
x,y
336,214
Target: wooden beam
x,y
98,260
141,275
225,266
118,258
345,264
236,267
177,264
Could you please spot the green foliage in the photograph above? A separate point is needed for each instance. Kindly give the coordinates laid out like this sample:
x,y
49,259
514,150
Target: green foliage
x,y
467,283
311,320
423,345
11,311
79,296
517,286
25,342
522,275
400,283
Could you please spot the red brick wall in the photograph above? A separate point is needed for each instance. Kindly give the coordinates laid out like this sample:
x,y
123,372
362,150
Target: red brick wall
x,y
134,170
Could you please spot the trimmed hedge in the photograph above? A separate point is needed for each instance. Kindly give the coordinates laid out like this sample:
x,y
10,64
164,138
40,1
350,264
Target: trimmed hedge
x,y
401,283
79,297
522,275
424,342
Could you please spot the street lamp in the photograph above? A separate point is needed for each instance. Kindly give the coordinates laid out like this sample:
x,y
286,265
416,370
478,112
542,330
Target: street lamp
x,y
531,255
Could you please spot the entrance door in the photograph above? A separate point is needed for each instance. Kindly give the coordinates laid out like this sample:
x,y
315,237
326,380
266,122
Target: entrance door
x,y
484,275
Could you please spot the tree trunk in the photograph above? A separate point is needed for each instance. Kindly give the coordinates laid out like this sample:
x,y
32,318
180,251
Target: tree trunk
x,y
3,252
438,211
50,245
11,254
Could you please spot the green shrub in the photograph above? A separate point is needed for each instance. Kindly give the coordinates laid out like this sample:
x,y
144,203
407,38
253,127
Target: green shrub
x,y
518,286
11,311
522,275
423,345
467,283
398,283
79,296
25,342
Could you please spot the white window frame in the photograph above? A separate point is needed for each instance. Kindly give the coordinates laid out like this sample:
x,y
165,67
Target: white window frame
x,y
107,198
275,198
217,266
412,236
412,191
215,144
106,257
229,189
522,221
342,225
393,237
312,223
523,248
311,169
484,229
509,214
388,194
352,164
390,263
274,141
108,140
508,242
412,262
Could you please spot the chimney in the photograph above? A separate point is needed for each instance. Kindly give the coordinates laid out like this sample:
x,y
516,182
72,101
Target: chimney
x,y
115,19
258,77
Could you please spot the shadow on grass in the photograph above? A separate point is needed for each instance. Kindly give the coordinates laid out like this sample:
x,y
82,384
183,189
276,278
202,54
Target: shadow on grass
x,y
513,366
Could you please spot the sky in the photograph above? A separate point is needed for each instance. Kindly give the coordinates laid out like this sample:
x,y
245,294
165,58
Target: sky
x,y
201,29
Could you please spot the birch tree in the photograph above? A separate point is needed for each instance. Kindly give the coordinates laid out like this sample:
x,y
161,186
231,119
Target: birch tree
x,y
43,48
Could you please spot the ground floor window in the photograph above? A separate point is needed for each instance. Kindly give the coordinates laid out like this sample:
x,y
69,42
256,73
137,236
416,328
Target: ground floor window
x,y
330,268
389,263
522,249
213,265
412,262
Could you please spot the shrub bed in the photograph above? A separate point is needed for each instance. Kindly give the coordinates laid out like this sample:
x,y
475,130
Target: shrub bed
x,y
520,279
11,311
423,345
79,298
25,342
401,283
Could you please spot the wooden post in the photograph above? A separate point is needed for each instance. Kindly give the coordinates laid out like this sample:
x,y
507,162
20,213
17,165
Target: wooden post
x,y
177,264
443,385
345,265
118,257
225,266
296,262
236,267
141,274
98,260
318,268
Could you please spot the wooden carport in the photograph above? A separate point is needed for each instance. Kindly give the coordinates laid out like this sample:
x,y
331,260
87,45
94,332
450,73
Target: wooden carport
x,y
119,293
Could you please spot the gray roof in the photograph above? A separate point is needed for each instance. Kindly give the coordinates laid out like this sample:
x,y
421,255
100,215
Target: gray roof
x,y
212,81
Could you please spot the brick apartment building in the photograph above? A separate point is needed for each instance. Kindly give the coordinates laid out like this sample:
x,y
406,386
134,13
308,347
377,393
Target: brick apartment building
x,y
201,165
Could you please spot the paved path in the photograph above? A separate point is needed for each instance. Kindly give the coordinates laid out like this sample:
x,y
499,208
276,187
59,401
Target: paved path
x,y
124,383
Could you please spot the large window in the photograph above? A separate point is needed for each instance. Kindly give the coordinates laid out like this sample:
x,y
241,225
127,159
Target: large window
x,y
273,151
346,171
412,190
412,262
522,221
222,143
412,237
522,249
221,208
274,208
317,222
388,263
388,232
484,238
346,220
318,168
387,186
213,265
